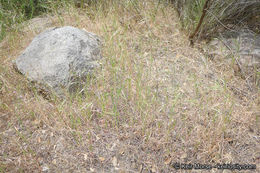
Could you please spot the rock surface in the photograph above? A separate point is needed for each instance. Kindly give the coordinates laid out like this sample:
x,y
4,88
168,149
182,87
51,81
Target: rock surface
x,y
38,24
241,47
60,58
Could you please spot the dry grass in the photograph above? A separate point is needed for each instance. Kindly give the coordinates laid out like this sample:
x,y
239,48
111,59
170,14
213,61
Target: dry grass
x,y
221,15
156,101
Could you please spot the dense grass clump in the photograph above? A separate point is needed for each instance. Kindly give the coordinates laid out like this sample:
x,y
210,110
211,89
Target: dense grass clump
x,y
14,12
227,14
220,14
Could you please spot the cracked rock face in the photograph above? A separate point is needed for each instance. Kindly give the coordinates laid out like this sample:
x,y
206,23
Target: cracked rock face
x,y
60,58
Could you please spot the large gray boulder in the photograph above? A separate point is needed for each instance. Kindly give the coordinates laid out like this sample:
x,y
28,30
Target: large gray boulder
x,y
60,58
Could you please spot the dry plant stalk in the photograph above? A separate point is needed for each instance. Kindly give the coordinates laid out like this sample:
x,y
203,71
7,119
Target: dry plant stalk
x,y
204,11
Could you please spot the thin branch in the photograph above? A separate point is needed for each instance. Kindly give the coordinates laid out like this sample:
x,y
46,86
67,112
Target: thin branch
x,y
204,11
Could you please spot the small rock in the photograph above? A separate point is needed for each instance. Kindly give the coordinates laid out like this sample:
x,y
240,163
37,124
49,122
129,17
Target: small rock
x,y
45,168
38,24
114,161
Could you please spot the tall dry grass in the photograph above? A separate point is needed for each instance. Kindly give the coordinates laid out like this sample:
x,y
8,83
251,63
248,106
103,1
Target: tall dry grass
x,y
220,15
155,101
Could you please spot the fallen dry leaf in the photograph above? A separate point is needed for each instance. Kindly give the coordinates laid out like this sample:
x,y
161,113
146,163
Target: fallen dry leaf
x,y
102,159
167,161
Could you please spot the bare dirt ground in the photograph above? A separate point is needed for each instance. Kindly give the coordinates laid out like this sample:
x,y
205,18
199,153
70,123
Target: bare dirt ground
x,y
156,101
